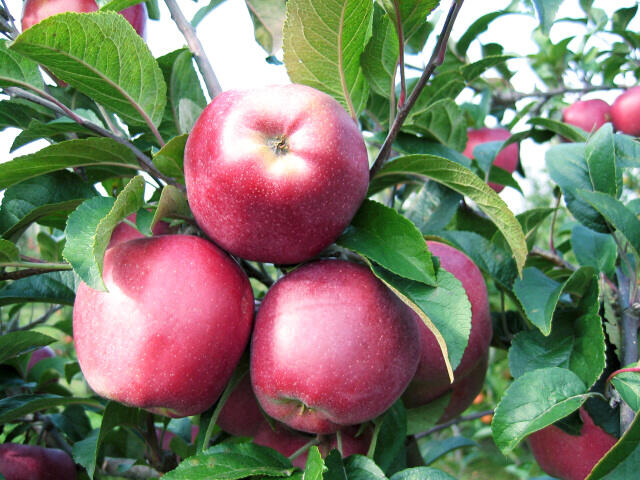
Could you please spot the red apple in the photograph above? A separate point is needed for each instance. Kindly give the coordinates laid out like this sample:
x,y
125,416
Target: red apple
x,y
625,112
35,11
241,414
275,174
589,115
125,232
431,379
332,346
170,330
30,462
507,159
570,457
40,354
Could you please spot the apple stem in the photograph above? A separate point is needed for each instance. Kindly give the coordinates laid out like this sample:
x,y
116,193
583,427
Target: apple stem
x,y
403,84
454,421
304,448
437,58
374,439
259,274
195,46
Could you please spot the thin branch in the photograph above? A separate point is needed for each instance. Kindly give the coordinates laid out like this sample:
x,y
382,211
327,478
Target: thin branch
x,y
8,22
436,60
52,103
259,275
189,33
29,272
403,83
455,421
305,447
552,257
42,319
509,97
553,222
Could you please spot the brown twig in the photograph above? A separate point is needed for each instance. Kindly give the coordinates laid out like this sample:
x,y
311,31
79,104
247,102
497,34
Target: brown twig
x,y
511,96
43,318
28,272
189,33
455,421
403,112
552,257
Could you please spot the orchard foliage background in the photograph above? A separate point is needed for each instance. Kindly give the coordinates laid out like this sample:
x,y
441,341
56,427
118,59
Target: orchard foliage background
x,y
562,276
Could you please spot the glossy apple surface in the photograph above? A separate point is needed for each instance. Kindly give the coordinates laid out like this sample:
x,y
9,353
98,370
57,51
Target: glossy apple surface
x,y
171,328
125,232
30,462
40,354
507,159
589,115
241,415
570,457
332,346
137,16
431,379
275,174
625,112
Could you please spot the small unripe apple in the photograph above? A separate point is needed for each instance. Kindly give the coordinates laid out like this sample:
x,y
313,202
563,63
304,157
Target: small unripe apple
x,y
40,354
37,10
570,457
275,174
332,346
625,112
589,115
431,379
30,462
507,159
171,328
125,232
241,415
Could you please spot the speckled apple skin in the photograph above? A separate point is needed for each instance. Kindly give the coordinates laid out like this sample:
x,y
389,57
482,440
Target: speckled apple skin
x,y
570,457
625,112
267,207
241,415
507,159
30,462
332,346
35,11
589,115
171,328
431,379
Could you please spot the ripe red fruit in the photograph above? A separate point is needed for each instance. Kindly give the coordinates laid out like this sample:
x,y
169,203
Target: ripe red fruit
x,y
29,462
589,115
125,232
37,10
332,346
570,457
241,415
507,159
625,112
275,174
431,379
170,330
40,354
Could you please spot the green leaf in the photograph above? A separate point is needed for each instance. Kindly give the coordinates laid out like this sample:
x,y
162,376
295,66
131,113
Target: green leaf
x,y
12,408
13,344
565,130
52,287
335,465
54,130
18,70
574,344
413,13
117,5
628,386
547,10
268,20
444,309
323,41
90,226
432,208
389,239
623,460
54,196
185,96
568,168
102,56
381,54
85,452
72,153
172,204
476,28
622,17
391,437
359,467
593,249
463,181
443,121
170,158
410,144
473,70
627,151
430,451
8,251
315,465
422,418
204,11
538,294
601,159
19,114
533,401
231,461
619,216
422,473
